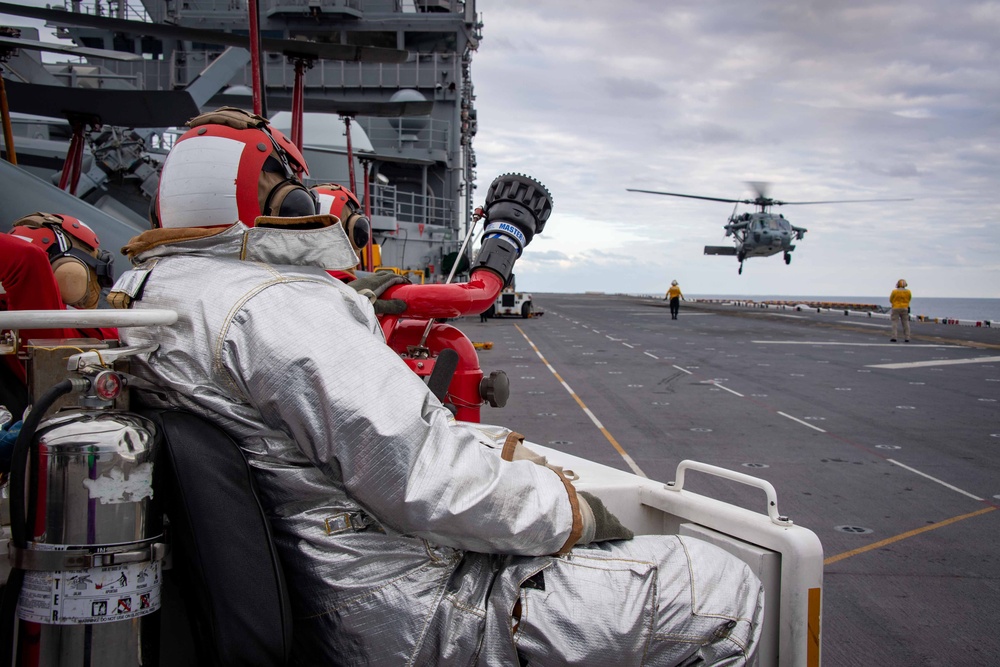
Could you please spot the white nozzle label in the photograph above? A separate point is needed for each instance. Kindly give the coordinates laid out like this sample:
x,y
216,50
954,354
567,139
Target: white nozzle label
x,y
509,230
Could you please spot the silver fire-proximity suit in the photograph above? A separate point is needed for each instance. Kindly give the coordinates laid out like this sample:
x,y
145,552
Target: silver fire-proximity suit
x,y
406,538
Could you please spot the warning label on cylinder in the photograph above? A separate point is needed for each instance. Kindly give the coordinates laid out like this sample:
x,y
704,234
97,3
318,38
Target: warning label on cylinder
x,y
98,595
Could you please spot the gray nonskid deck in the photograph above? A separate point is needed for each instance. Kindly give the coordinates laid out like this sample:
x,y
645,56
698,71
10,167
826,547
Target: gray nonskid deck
x,y
888,452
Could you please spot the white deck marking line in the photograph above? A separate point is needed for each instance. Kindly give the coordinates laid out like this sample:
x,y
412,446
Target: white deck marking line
x,y
729,390
870,324
935,479
797,317
832,342
607,434
675,366
796,419
631,347
936,362
650,354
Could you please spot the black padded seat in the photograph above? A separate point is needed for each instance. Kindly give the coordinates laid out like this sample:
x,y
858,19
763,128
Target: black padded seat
x,y
224,563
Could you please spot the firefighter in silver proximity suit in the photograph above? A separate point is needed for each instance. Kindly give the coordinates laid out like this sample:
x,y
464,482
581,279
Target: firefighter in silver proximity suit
x,y
407,538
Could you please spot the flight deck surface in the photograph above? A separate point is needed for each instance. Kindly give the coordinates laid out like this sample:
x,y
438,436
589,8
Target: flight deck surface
x,y
889,452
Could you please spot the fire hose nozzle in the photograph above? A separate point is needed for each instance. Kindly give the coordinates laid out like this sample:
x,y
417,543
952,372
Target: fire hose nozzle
x,y
517,207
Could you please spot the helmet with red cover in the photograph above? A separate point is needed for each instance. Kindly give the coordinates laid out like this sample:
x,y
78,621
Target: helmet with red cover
x,y
80,266
338,201
231,165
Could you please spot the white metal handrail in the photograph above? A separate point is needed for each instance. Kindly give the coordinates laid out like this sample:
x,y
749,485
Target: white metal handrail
x,y
749,480
103,317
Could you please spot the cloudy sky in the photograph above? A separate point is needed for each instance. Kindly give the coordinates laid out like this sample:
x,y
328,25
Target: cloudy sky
x,y
823,100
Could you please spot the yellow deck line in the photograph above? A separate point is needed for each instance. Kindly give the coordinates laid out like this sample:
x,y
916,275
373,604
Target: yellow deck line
x,y
903,536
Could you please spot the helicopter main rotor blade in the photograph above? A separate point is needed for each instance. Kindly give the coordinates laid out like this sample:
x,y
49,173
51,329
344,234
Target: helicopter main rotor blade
x,y
760,187
677,194
833,201
68,49
126,108
289,47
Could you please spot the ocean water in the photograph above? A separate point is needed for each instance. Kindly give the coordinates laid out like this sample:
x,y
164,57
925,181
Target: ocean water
x,y
960,309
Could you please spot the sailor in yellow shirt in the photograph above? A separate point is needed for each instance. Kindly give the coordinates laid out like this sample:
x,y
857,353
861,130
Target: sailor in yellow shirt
x,y
900,301
675,296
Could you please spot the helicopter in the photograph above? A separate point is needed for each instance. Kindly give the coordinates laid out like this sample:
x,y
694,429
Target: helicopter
x,y
761,233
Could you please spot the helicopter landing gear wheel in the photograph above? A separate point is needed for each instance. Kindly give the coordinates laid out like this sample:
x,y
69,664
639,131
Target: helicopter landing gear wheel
x,y
788,258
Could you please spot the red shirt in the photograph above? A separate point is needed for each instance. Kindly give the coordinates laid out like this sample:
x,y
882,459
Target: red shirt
x,y
29,284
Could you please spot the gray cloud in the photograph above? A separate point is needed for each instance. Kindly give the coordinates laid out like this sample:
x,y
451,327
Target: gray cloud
x,y
849,100
627,88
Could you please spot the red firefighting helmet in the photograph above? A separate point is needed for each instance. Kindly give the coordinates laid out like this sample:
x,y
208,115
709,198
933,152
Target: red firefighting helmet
x,y
80,266
338,201
231,165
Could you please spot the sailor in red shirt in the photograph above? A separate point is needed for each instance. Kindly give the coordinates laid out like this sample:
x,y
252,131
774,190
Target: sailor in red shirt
x,y
49,262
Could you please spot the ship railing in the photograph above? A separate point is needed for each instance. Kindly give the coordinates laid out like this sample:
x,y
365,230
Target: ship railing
x,y
435,134
371,6
451,6
389,201
428,71
117,10
306,6
436,74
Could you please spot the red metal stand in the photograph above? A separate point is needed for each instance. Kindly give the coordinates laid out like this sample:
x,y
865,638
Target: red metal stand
x,y
73,164
425,303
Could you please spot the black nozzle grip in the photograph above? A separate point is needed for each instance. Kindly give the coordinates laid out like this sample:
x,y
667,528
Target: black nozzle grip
x,y
517,207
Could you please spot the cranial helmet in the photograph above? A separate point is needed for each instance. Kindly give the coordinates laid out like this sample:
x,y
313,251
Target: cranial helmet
x,y
901,283
338,201
673,282
80,266
231,165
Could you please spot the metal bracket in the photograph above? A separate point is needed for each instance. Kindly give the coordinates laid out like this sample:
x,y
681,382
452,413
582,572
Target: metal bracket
x,y
105,358
39,560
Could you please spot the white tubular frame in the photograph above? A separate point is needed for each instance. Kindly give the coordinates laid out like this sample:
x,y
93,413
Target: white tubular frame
x,y
101,317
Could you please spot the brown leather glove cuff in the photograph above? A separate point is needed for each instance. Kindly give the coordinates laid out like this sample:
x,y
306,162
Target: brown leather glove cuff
x,y
514,450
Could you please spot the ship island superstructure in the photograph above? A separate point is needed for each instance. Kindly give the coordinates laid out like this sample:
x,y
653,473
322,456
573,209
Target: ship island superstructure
x,y
420,168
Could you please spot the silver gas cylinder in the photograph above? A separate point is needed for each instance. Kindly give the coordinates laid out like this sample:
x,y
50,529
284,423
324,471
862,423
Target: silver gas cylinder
x,y
93,560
